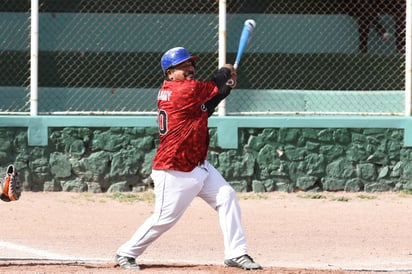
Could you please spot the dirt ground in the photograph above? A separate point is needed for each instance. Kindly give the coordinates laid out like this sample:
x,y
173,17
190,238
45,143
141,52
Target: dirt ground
x,y
301,233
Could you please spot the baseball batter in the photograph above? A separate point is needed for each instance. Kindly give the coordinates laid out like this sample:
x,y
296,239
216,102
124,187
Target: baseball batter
x,y
180,169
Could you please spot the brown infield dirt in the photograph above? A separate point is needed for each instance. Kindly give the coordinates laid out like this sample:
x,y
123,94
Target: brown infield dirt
x,y
60,232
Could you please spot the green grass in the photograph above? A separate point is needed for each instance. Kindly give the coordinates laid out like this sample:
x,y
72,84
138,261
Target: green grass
x,y
367,197
131,197
87,197
252,196
312,196
340,199
405,193
122,197
319,196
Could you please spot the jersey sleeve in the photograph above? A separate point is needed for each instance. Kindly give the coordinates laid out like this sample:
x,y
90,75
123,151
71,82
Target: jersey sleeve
x,y
208,90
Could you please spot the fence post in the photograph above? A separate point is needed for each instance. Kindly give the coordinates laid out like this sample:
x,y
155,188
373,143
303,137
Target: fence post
x,y
222,47
408,59
34,57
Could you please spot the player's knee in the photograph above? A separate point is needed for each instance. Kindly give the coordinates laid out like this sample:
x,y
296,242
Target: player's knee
x,y
227,193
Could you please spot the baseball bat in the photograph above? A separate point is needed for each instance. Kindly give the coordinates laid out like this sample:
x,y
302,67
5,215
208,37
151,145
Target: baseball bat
x,y
247,31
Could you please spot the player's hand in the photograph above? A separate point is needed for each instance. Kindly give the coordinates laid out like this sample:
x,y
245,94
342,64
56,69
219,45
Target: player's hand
x,y
233,79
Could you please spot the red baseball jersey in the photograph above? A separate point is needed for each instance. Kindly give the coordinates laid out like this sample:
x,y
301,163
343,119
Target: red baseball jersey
x,y
183,127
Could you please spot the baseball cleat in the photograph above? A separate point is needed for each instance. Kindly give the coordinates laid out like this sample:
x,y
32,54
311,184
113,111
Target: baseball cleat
x,y
244,262
126,262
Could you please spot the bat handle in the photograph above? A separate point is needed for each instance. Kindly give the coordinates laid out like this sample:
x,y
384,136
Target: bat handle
x,y
230,81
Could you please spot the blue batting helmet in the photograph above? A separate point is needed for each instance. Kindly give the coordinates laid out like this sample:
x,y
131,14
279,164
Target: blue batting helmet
x,y
175,56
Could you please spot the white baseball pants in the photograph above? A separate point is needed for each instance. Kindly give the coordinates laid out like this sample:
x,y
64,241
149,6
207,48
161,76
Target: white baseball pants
x,y
174,191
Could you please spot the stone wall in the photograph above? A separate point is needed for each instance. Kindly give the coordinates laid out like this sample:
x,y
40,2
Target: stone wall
x,y
279,159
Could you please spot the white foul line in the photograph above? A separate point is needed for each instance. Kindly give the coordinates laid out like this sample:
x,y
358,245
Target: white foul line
x,y
43,254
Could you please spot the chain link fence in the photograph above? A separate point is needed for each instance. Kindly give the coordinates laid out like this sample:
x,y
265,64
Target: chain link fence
x,y
305,57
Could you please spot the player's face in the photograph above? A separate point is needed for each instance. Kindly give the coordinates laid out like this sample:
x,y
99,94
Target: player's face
x,y
183,71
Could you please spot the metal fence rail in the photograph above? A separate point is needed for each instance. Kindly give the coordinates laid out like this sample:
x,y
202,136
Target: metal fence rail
x,y
306,57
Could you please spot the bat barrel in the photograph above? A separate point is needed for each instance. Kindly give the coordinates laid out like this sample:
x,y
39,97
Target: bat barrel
x,y
247,31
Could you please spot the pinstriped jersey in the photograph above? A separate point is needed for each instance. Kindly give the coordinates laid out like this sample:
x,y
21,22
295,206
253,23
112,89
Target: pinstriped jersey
x,y
183,124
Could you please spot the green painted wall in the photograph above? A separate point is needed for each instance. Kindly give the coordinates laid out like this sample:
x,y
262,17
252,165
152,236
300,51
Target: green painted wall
x,y
330,33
